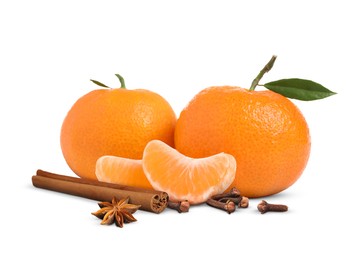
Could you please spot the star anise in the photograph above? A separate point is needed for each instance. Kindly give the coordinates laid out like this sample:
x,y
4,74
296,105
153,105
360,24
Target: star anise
x,y
118,211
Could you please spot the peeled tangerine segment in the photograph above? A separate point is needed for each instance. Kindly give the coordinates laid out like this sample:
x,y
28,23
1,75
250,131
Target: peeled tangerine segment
x,y
185,178
123,171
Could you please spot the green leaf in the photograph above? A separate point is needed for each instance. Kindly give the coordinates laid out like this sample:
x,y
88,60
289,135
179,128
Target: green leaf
x,y
99,83
301,89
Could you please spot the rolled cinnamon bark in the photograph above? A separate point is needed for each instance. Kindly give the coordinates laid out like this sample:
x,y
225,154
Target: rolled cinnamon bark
x,y
150,200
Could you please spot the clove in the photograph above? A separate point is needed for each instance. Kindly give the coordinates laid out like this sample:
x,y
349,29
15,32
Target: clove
x,y
228,206
236,200
233,193
244,203
264,207
180,206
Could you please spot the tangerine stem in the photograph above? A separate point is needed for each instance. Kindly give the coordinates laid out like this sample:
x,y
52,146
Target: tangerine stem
x,y
121,79
266,68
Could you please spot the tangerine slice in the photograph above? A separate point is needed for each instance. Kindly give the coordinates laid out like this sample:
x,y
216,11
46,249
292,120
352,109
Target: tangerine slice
x,y
120,170
185,178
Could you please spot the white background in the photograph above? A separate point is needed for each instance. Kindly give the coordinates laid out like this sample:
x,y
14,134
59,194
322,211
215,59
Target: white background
x,y
50,49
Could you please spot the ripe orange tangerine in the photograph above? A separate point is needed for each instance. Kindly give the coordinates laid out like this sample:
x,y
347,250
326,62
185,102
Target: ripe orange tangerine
x,y
185,178
114,121
123,171
265,132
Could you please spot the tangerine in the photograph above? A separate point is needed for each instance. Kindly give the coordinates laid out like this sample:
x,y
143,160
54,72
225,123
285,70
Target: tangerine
x,y
123,171
114,121
185,178
265,132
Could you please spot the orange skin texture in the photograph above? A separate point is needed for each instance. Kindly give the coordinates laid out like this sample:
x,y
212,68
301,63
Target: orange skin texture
x,y
118,122
264,131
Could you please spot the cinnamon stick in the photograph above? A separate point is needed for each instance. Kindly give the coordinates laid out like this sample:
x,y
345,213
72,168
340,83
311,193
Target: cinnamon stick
x,y
150,200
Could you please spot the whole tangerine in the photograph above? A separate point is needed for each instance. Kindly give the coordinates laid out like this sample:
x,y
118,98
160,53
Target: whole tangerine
x,y
265,132
114,121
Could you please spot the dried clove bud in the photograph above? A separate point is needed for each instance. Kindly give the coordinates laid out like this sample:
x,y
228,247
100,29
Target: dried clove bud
x,y
244,203
180,206
264,207
227,206
233,193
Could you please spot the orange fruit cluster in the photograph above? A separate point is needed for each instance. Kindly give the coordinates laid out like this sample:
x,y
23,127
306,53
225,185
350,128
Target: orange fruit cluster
x,y
257,141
